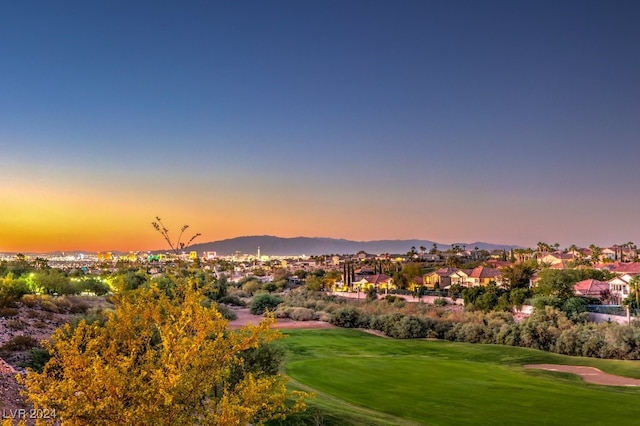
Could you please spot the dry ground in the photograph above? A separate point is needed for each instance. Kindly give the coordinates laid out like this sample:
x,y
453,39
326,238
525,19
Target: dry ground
x,y
245,317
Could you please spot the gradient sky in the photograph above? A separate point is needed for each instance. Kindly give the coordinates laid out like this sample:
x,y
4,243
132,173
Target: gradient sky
x,y
455,121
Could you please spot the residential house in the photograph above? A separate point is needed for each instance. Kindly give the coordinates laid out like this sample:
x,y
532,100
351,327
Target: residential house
x,y
591,288
556,258
380,282
608,254
625,268
619,287
442,278
482,275
415,283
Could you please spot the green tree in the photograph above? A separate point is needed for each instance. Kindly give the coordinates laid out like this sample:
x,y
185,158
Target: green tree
x,y
634,286
556,282
263,303
313,283
518,275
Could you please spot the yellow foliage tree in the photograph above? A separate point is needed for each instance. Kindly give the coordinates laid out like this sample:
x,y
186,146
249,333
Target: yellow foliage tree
x,y
159,360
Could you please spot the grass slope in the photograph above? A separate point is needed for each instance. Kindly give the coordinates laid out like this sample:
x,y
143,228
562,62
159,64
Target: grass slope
x,y
364,379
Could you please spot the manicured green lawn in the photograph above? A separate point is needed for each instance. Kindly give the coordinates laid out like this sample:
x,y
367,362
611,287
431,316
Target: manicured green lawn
x,y
364,379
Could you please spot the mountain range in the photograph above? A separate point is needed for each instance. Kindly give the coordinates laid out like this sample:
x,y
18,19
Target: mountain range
x,y
278,246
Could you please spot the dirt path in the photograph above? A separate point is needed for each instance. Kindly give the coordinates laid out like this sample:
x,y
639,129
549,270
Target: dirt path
x,y
589,374
245,317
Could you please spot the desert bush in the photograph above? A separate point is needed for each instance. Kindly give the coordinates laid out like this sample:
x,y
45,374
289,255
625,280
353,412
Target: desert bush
x,y
18,343
38,357
16,324
63,303
440,301
237,293
508,334
323,316
388,323
264,302
302,314
372,294
30,300
226,312
269,287
232,300
408,328
250,287
345,317
49,306
470,332
7,312
39,324
92,316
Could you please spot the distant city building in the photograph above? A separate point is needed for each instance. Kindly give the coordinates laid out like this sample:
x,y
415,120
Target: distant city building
x,y
105,257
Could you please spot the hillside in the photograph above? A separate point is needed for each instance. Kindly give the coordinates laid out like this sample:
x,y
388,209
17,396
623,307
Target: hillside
x,y
277,246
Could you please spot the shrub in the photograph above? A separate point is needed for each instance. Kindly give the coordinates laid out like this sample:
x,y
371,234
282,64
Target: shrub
x,y
508,334
49,306
409,328
12,289
302,314
345,317
226,312
372,294
18,343
323,316
16,324
270,287
38,357
80,308
96,286
440,301
232,300
470,332
30,300
7,312
264,302
250,287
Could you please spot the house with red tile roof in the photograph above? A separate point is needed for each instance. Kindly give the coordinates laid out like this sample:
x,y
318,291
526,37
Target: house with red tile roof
x,y
380,282
625,268
591,288
482,275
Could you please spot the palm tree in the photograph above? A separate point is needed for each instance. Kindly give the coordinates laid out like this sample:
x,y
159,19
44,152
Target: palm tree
x,y
434,249
634,285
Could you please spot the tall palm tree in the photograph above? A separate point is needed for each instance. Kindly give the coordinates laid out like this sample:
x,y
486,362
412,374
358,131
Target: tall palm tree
x,y
634,285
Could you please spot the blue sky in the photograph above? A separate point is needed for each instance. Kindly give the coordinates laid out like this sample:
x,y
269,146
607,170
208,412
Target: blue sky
x,y
503,121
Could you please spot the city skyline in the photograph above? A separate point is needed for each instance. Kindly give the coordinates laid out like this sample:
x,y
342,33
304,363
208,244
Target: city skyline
x,y
509,122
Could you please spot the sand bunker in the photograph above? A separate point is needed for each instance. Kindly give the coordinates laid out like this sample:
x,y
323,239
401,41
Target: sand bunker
x,y
589,374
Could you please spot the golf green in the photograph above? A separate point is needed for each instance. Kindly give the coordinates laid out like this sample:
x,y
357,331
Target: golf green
x,y
444,383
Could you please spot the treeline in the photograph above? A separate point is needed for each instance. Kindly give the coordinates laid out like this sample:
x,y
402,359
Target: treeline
x,y
50,282
548,329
